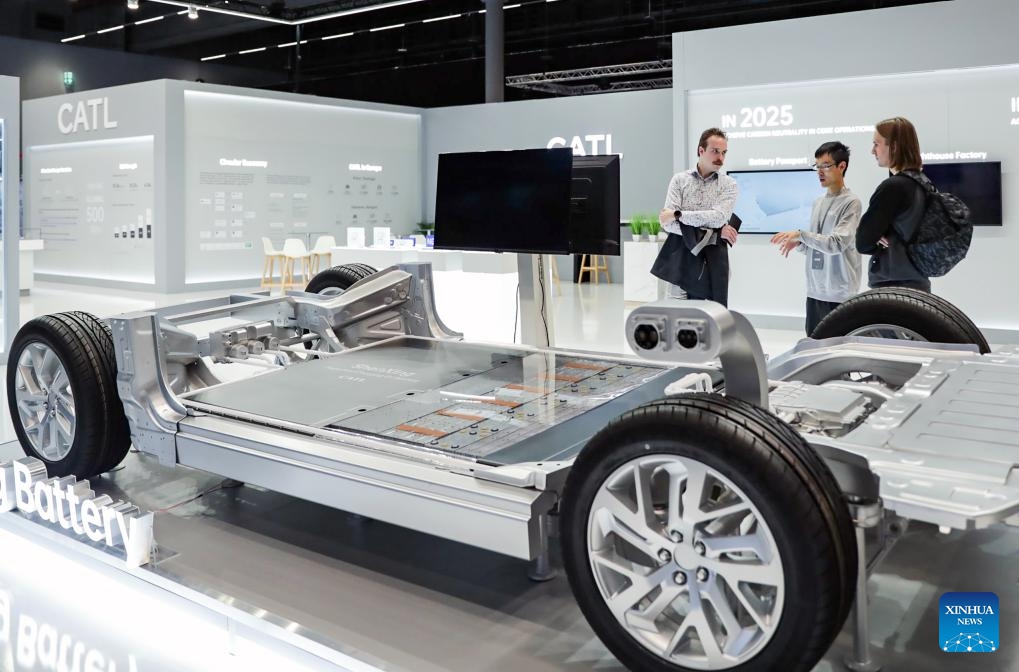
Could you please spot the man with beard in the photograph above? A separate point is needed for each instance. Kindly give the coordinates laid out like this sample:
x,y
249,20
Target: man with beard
x,y
698,207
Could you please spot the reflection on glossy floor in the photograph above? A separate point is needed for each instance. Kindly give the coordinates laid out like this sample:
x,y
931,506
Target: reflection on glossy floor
x,y
399,599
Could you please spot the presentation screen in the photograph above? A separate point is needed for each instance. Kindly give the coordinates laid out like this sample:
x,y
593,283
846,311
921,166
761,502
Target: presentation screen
x,y
511,201
977,184
770,201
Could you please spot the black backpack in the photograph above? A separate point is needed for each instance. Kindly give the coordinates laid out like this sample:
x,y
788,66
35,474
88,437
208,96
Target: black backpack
x,y
942,236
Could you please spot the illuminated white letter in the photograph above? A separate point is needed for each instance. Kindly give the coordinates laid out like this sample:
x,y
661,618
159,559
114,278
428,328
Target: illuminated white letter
x,y
94,103
26,642
106,115
65,127
80,118
91,520
44,501
594,139
23,488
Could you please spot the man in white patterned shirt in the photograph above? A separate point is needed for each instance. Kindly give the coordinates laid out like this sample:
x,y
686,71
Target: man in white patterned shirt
x,y
700,201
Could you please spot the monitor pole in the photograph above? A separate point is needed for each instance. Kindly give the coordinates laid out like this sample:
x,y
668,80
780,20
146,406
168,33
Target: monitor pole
x,y
536,324
532,269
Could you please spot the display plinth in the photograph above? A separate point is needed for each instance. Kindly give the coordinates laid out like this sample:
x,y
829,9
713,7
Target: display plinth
x,y
638,283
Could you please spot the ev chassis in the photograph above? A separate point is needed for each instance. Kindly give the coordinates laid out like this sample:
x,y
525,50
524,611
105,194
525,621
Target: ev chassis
x,y
712,506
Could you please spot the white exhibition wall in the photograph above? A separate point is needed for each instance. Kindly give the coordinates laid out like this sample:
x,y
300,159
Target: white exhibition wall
x,y
92,204
259,167
170,185
91,166
636,125
957,86
10,130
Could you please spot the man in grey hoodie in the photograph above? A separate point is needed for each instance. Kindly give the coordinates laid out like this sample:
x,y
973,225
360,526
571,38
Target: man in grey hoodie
x,y
833,264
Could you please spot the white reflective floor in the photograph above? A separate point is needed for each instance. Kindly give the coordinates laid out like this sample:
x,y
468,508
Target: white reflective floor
x,y
400,600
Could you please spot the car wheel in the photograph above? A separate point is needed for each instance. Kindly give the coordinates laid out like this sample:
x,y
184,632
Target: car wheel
x,y
702,533
902,313
62,395
338,278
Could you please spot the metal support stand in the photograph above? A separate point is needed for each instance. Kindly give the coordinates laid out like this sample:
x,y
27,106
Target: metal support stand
x,y
541,568
865,515
536,323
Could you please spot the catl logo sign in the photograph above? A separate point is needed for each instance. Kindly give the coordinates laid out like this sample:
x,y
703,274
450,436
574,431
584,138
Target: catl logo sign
x,y
70,505
583,145
88,115
968,623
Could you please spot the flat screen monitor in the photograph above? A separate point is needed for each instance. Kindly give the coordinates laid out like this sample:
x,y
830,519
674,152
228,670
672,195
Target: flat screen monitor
x,y
594,205
977,184
508,201
770,201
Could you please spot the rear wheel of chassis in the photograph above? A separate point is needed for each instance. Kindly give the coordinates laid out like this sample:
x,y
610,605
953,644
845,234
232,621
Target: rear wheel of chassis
x,y
338,278
62,395
702,533
901,313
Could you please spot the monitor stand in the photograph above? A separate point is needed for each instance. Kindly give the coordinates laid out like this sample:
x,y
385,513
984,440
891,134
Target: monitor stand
x,y
536,325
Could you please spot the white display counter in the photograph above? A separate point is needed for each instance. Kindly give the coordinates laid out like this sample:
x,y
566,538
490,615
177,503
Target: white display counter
x,y
638,283
463,280
441,260
26,262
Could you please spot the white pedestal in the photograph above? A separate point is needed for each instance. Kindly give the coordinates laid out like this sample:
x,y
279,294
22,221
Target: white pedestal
x,y
638,283
26,262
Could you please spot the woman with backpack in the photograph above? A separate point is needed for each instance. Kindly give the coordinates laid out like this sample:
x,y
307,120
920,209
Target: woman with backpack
x,y
895,208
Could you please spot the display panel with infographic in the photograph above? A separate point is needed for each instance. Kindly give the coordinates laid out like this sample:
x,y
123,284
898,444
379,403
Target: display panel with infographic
x,y
962,117
92,205
280,169
770,201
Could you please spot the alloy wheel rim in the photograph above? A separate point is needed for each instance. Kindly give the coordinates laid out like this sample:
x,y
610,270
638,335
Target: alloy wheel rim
x,y
888,331
45,402
685,562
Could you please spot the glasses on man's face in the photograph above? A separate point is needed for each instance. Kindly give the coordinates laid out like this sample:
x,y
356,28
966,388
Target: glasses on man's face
x,y
823,166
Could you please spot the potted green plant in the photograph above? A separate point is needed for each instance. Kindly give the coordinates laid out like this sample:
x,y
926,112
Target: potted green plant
x,y
637,226
654,228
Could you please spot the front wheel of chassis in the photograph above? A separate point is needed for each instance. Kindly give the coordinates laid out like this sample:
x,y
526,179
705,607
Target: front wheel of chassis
x,y
702,533
62,395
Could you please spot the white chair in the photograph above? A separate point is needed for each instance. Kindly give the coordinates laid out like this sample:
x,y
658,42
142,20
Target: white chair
x,y
294,252
272,255
323,248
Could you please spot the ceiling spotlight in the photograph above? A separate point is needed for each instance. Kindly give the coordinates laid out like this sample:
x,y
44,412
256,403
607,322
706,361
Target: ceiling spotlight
x,y
132,4
192,12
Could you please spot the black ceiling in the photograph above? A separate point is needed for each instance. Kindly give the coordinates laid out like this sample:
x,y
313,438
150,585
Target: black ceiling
x,y
423,63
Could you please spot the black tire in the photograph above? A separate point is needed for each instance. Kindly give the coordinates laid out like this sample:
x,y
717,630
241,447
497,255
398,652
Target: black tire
x,y
84,346
339,277
786,481
929,316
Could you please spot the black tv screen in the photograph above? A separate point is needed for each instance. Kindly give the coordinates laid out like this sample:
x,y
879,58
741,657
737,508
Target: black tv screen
x,y
977,184
509,201
594,205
